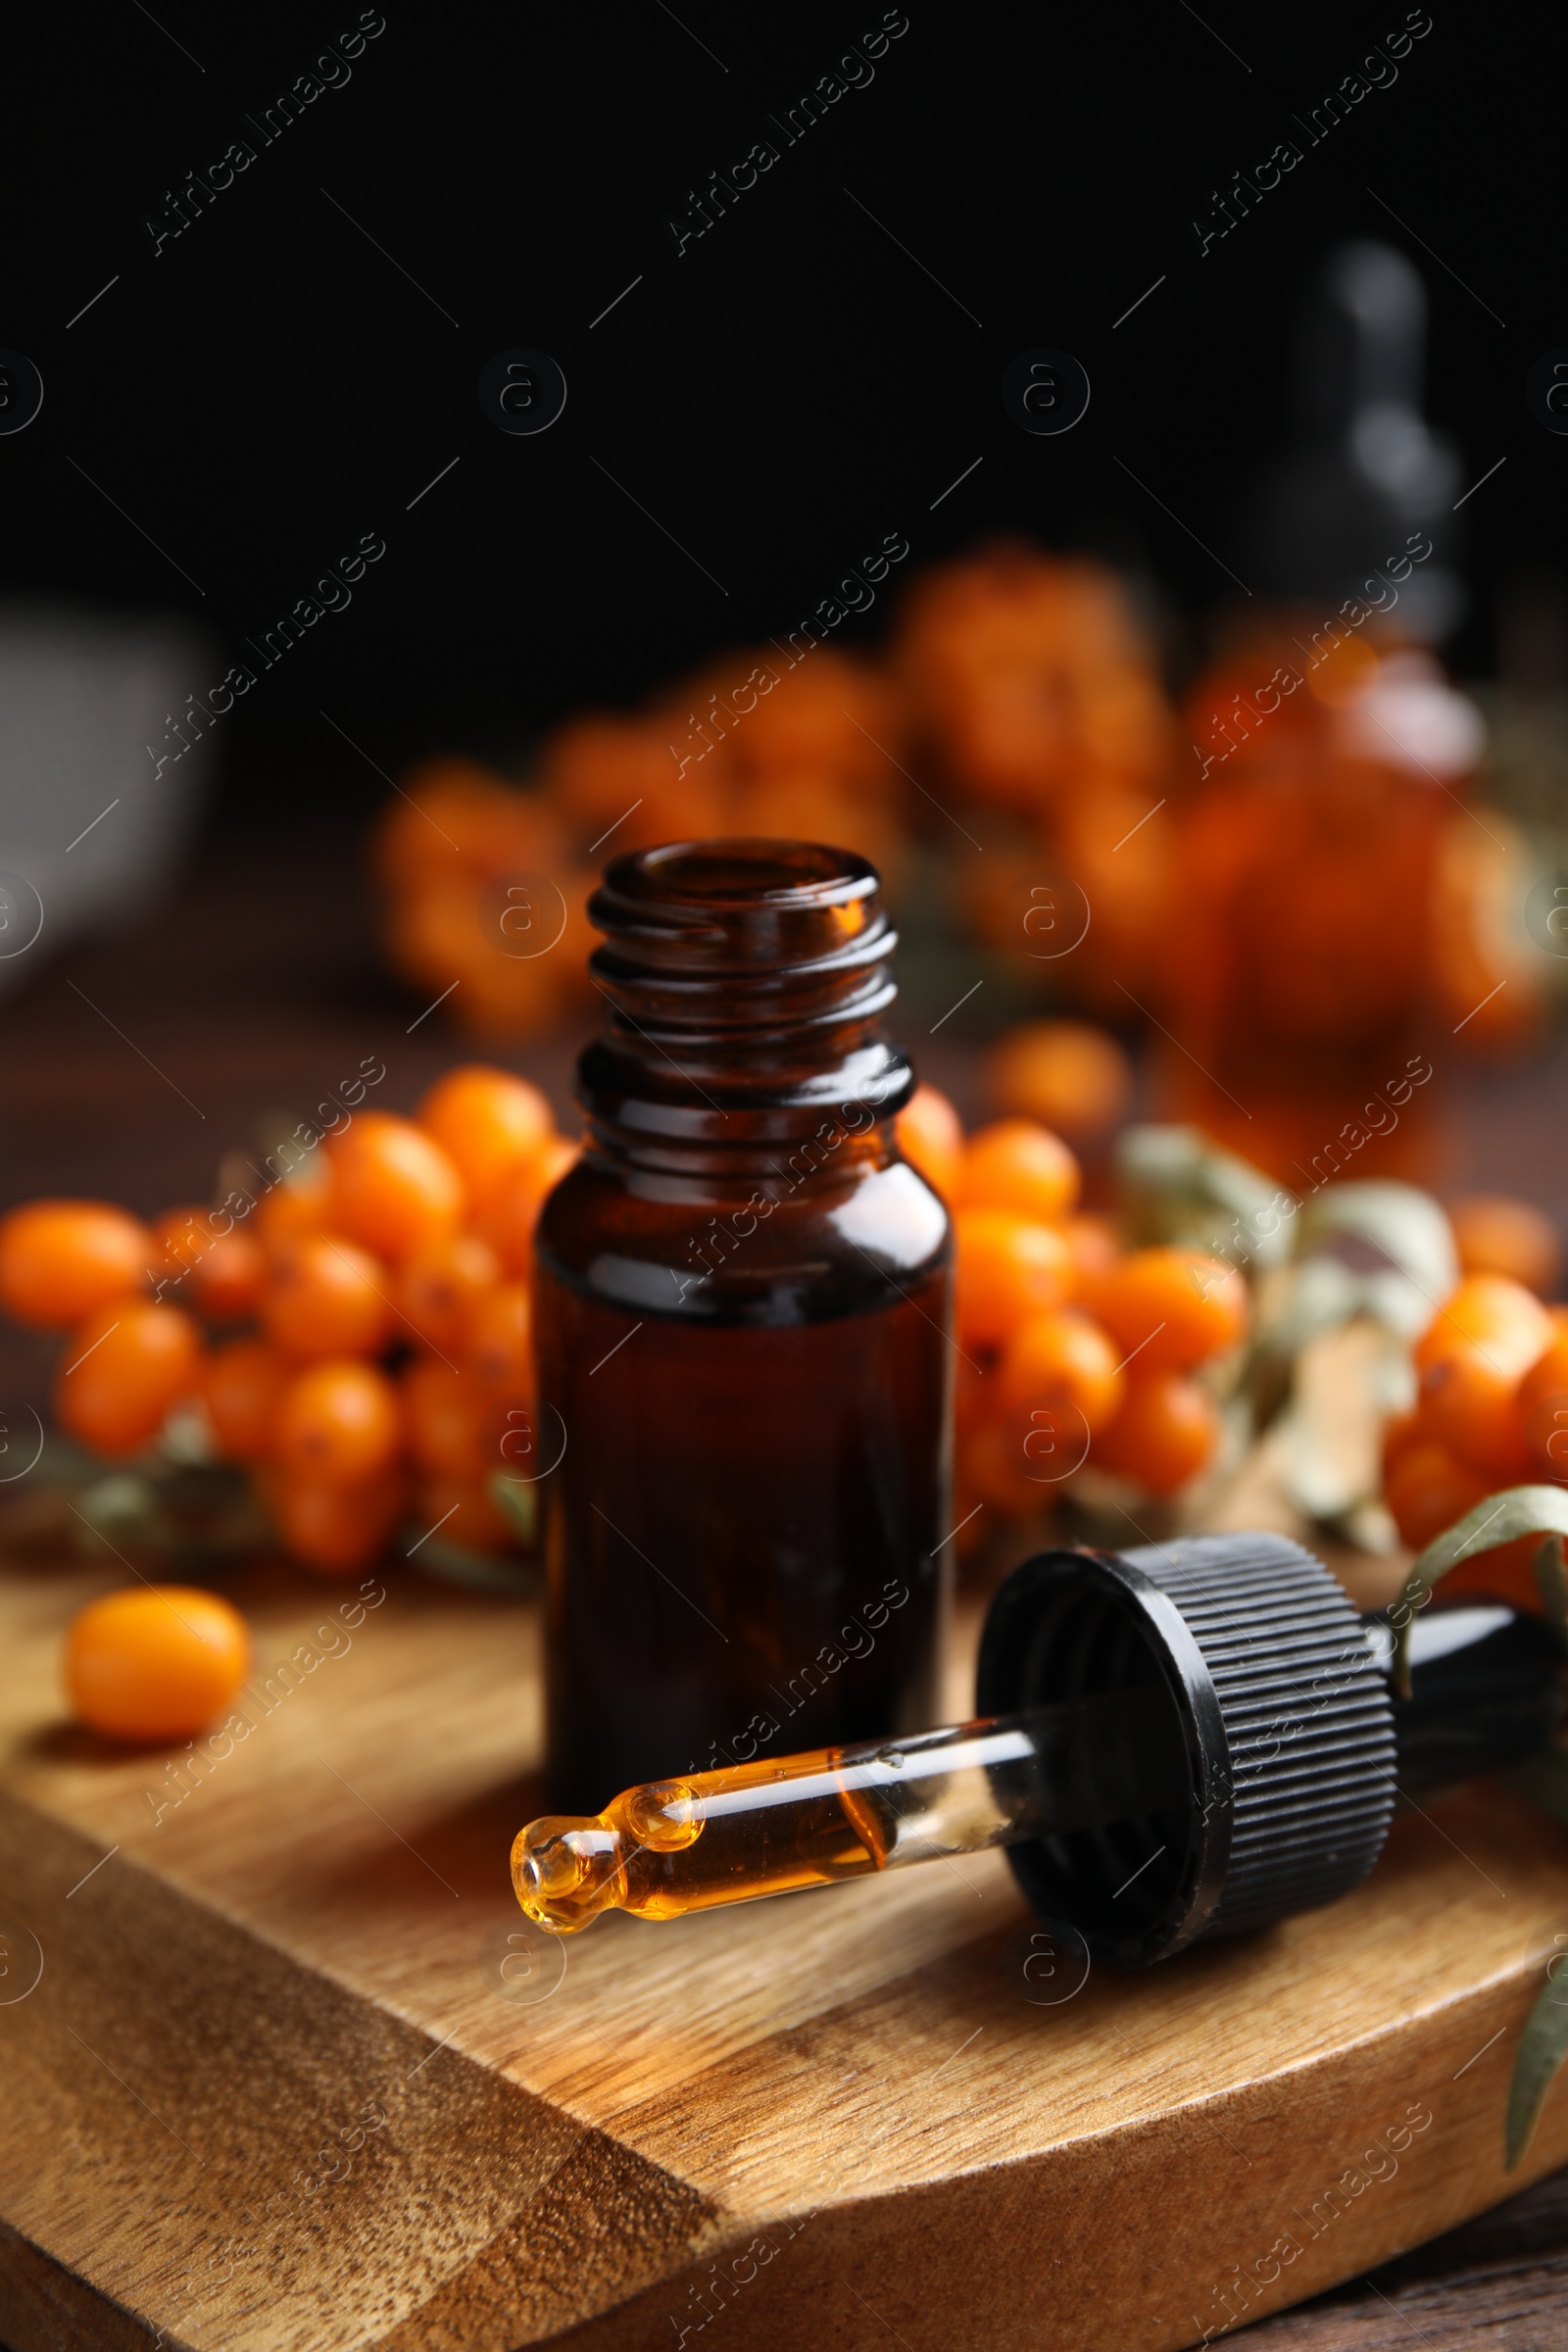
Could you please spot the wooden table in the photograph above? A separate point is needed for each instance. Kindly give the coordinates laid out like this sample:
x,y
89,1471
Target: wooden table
x,y
861,2081
284,2085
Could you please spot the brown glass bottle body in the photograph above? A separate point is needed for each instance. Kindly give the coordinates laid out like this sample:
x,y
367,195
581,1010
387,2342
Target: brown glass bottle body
x,y
743,1306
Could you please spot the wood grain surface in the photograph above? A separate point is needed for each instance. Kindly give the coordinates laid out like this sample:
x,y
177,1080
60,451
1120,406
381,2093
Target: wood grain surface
x,y
841,2120
830,2119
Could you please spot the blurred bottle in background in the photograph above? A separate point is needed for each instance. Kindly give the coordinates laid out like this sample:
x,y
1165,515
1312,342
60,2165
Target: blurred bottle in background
x,y
1344,915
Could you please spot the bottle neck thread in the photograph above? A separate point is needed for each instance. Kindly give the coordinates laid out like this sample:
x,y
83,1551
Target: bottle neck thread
x,y
746,983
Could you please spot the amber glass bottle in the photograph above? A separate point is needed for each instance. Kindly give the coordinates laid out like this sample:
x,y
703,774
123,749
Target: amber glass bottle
x,y
742,1309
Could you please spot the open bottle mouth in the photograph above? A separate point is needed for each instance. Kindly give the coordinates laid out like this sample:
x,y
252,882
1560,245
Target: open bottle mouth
x,y
742,976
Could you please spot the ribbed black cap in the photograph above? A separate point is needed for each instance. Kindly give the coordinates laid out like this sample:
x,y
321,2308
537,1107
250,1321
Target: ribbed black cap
x,y
1285,1725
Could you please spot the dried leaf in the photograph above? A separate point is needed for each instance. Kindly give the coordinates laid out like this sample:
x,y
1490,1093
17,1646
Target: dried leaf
x,y
1500,1519
1542,2051
1553,1585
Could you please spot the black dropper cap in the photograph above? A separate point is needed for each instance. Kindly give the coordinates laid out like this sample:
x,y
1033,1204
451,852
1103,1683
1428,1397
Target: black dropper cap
x,y
1288,1746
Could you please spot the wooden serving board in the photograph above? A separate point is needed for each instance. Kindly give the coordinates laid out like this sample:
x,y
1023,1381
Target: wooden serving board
x,y
280,2085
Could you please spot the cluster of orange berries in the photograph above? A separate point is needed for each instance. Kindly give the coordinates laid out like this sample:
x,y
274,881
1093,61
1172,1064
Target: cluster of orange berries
x,y
486,885
361,1343
1491,1411
1072,1349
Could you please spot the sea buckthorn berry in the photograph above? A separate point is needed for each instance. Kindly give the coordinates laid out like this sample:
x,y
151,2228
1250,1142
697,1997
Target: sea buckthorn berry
x,y
463,1511
441,1285
1427,1488
335,1528
296,1207
1541,1408
337,1425
1170,1309
995,1469
1165,1433
1070,1075
125,1369
1021,1166
61,1260
1062,1364
1471,1362
1495,1235
1469,1401
224,1274
486,1121
1402,1431
393,1187
154,1662
181,1238
230,1282
512,1212
328,1298
1096,1248
1010,1268
1493,1311
500,1342
241,1384
446,1417
930,1135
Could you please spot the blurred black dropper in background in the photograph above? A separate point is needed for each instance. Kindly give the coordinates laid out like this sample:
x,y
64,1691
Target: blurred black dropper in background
x,y
1361,469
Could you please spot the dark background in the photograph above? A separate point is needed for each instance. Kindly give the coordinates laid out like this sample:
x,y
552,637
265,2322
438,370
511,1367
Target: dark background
x,y
792,387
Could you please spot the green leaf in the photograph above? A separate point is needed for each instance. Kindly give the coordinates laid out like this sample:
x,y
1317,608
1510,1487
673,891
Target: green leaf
x,y
1542,2051
517,1501
1500,1519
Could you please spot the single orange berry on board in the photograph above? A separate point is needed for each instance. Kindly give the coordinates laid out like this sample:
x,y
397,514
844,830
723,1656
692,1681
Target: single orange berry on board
x,y
930,1135
500,1342
1169,1308
393,1187
1495,1235
335,1528
446,1417
1018,1164
125,1369
337,1425
61,1260
1009,1267
1427,1488
154,1662
485,1120
462,1510
512,1212
241,1384
1062,1365
1165,1433
441,1285
1068,1074
328,1298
